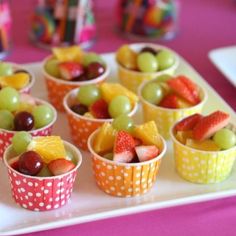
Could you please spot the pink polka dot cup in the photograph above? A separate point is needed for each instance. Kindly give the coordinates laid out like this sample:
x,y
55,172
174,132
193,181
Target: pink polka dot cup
x,y
42,193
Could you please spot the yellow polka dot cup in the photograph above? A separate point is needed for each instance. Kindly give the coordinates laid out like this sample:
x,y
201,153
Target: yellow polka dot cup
x,y
166,117
131,79
124,179
57,88
82,126
203,167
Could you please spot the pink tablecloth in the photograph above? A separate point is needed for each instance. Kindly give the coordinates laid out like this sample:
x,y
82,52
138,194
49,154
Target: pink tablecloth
x,y
204,25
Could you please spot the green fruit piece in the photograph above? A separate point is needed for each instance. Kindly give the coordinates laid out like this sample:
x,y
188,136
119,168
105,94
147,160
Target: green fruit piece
x,y
88,94
123,122
5,69
92,57
44,172
9,99
163,78
165,59
20,141
43,115
52,68
6,120
147,62
153,93
225,138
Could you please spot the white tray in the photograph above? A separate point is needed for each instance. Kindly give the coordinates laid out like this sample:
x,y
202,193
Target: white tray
x,y
88,203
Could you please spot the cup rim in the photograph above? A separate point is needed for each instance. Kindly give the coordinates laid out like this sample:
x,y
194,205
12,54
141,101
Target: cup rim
x,y
74,83
91,150
67,146
41,102
69,111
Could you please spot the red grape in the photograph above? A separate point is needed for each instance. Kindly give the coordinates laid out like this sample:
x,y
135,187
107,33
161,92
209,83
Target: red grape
x,y
79,109
23,121
94,70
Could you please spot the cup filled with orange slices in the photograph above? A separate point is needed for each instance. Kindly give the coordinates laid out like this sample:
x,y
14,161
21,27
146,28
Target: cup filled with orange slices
x,y
144,61
168,99
22,112
204,147
88,107
16,76
41,170
126,158
71,67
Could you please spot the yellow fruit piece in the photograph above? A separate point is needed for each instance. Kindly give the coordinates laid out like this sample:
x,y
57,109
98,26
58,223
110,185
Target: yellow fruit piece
x,y
17,80
48,147
111,90
24,106
206,145
148,133
88,114
182,136
104,140
183,103
73,53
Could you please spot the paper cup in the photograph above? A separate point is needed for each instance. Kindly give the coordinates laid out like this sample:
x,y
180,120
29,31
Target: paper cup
x,y
58,88
42,193
124,179
6,135
203,167
81,126
166,117
132,79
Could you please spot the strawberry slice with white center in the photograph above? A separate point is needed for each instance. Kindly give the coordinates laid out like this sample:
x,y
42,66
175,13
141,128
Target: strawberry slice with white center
x,y
208,125
146,153
124,147
188,123
70,70
60,166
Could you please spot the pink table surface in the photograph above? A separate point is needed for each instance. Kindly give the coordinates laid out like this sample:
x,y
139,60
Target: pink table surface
x,y
204,25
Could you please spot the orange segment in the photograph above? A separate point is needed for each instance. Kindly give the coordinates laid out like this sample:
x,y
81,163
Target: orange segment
x,y
17,81
206,145
182,136
48,147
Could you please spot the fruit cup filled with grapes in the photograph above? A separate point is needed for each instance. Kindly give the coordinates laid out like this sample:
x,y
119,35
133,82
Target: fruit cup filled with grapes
x,y
22,112
16,76
168,99
144,61
204,147
70,67
89,106
41,170
126,157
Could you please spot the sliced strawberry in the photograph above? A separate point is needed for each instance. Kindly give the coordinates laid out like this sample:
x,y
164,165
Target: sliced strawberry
x,y
188,123
146,153
99,109
124,147
70,70
208,125
169,101
60,166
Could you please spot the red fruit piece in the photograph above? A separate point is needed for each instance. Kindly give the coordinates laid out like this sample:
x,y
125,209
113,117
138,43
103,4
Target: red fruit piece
x,y
137,142
169,101
208,125
99,109
188,123
70,70
14,163
60,166
146,153
124,147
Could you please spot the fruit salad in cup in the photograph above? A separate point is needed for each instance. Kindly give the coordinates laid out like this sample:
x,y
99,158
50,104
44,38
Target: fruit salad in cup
x,y
126,157
144,61
71,67
168,99
88,107
204,147
41,170
16,76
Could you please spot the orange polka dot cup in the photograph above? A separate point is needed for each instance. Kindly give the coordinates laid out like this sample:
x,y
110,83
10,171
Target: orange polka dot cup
x,y
42,193
82,126
124,179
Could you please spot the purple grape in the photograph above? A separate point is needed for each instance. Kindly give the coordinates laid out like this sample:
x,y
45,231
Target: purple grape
x,y
79,109
23,121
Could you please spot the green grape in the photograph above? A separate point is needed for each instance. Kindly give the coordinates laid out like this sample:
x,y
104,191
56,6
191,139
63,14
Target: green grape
x,y
70,157
88,94
165,59
225,138
5,69
20,141
6,120
44,172
163,78
52,68
153,93
109,156
92,57
147,62
119,105
43,115
123,122
9,99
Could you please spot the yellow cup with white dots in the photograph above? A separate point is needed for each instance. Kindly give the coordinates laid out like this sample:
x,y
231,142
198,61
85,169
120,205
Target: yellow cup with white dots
x,y
203,167
124,179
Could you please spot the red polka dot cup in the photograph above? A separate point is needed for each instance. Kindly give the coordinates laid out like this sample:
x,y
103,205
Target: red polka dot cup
x,y
42,193
124,179
82,126
57,88
6,135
